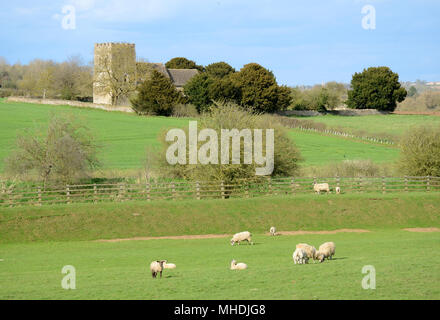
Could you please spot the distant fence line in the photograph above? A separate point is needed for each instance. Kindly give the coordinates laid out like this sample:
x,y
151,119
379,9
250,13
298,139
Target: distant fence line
x,y
181,190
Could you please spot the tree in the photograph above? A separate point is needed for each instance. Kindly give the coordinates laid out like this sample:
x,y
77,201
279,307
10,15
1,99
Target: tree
x,y
182,63
375,88
65,151
420,152
219,70
412,91
259,89
156,95
197,91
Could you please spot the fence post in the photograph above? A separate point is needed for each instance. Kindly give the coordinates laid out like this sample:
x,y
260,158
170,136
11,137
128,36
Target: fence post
x,y
39,196
428,184
198,190
360,185
246,189
406,184
222,188
148,189
269,181
292,185
383,185
173,187
95,193
68,194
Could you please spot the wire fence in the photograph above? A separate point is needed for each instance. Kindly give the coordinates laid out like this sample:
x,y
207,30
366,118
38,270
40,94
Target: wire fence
x,y
180,190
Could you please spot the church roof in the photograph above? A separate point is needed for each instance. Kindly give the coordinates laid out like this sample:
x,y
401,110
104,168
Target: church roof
x,y
181,76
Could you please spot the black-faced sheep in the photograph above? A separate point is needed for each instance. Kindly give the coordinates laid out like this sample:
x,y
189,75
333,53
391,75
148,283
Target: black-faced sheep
x,y
157,267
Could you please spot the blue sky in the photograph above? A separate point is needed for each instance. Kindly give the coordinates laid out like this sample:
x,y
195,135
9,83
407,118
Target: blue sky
x,y
302,42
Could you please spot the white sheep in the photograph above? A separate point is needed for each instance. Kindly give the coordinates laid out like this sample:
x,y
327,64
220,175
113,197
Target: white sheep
x,y
157,267
318,187
310,250
273,231
338,190
169,266
300,256
326,250
238,266
241,236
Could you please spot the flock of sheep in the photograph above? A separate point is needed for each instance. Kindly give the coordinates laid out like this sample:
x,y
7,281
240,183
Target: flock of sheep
x,y
301,255
318,187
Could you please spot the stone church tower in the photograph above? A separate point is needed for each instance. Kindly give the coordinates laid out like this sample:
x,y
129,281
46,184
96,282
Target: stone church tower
x,y
114,72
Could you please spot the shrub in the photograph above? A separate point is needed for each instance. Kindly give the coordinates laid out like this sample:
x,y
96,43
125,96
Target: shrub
x,y
65,151
156,96
219,70
230,116
185,111
375,88
420,152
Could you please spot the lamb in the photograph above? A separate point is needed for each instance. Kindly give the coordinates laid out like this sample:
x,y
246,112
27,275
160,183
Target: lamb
x,y
318,187
300,256
157,267
169,266
338,190
273,231
326,250
310,250
241,236
238,266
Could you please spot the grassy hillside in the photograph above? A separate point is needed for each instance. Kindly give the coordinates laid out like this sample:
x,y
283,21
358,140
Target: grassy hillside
x,y
404,270
124,137
161,218
377,124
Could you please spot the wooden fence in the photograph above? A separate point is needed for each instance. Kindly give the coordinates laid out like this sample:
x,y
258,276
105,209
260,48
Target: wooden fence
x,y
177,190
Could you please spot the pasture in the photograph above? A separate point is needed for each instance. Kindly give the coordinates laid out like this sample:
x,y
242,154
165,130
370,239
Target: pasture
x,y
406,268
123,138
392,124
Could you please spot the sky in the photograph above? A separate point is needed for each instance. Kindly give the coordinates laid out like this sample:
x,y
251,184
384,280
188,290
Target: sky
x,y
302,42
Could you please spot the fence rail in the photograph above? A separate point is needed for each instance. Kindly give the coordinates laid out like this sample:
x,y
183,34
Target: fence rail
x,y
179,190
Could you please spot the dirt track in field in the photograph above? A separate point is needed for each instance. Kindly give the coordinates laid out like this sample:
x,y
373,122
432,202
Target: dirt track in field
x,y
422,229
212,236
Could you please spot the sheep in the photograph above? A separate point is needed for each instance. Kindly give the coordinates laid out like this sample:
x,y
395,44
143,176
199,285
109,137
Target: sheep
x,y
310,250
318,187
300,256
338,190
169,266
241,236
238,266
326,250
273,231
156,267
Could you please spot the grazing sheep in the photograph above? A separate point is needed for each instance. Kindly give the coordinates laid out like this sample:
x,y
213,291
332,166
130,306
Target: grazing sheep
x,y
272,231
157,267
238,266
242,236
326,250
300,256
310,250
338,190
318,187
169,266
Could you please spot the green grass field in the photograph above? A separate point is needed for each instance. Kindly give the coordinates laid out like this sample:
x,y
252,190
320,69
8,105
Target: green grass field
x,y
378,124
406,268
125,137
